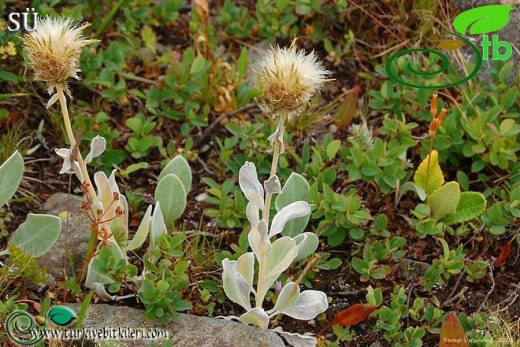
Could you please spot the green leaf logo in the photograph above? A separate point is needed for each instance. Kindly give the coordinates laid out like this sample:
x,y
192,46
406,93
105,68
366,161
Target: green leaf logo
x,y
485,19
61,315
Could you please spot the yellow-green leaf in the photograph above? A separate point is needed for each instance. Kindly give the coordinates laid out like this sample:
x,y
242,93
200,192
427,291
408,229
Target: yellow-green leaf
x,y
444,200
429,176
471,205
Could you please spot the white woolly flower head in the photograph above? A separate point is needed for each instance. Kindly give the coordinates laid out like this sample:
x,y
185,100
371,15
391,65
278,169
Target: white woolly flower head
x,y
54,49
289,79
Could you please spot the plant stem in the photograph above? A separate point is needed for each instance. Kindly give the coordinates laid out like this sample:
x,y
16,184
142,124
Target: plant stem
x,y
274,165
68,127
261,290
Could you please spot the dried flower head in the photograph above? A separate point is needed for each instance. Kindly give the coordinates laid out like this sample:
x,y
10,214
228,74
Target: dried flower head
x,y
289,79
53,49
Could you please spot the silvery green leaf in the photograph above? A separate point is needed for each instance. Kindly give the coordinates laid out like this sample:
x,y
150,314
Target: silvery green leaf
x,y
277,136
100,291
310,303
97,207
180,167
252,213
287,297
272,185
93,276
283,252
246,267
119,225
256,316
295,189
37,234
142,231
104,192
114,188
407,186
158,226
172,195
97,147
69,166
11,172
117,252
294,210
52,100
258,240
307,244
250,185
235,286
296,340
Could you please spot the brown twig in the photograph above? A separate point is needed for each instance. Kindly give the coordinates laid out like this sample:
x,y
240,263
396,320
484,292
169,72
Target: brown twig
x,y
482,306
452,293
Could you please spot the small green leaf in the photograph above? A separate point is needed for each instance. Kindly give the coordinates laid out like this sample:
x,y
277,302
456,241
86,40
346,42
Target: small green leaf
x,y
197,65
463,180
471,206
61,315
444,200
485,19
11,172
359,265
333,148
162,286
37,234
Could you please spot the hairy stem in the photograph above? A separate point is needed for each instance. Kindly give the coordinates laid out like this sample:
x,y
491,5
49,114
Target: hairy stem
x,y
274,165
68,127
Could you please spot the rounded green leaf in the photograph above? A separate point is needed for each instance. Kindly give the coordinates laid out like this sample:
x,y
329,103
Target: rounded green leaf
x,y
11,172
444,200
37,234
171,194
180,167
483,19
471,206
61,315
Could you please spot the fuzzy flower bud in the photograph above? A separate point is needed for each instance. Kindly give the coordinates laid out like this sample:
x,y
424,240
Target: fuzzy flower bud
x,y
289,79
54,49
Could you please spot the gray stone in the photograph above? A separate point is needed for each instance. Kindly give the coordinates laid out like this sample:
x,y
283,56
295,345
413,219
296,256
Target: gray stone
x,y
74,234
185,330
410,270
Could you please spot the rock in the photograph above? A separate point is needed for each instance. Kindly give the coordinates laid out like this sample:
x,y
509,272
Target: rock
x,y
185,330
76,231
410,270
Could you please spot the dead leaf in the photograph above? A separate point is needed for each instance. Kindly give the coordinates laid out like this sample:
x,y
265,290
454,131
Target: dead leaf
x,y
452,332
348,108
202,8
450,45
504,253
353,315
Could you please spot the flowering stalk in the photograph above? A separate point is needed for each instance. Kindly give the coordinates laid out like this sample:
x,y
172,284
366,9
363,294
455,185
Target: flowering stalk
x,y
73,144
54,49
289,80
